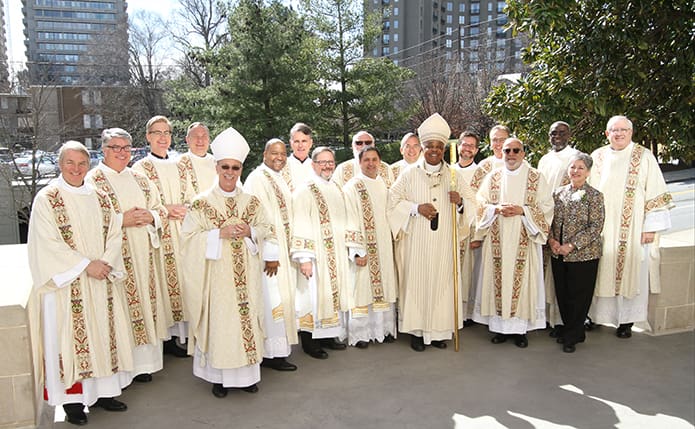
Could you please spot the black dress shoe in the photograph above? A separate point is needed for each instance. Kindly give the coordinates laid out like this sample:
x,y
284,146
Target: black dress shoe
x,y
499,339
624,330
417,343
362,344
589,324
332,344
521,341
219,390
438,344
250,389
468,322
556,331
568,348
317,353
110,404
143,378
171,348
74,414
278,364
389,338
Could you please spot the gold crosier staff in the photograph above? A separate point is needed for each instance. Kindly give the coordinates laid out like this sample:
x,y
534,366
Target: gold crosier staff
x,y
454,253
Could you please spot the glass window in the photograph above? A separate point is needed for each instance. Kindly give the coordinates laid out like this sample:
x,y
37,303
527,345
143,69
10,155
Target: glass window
x,y
448,31
86,122
475,8
449,6
385,50
500,6
395,49
474,43
449,19
395,37
475,20
395,24
395,11
489,7
462,19
474,30
448,43
385,39
462,7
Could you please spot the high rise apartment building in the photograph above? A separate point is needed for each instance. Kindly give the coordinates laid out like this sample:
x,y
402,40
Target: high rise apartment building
x,y
4,75
469,32
76,42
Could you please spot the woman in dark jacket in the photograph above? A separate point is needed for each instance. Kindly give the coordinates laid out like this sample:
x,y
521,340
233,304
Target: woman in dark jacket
x,y
575,241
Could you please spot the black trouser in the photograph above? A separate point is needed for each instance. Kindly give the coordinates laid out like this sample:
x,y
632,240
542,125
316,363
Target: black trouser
x,y
574,288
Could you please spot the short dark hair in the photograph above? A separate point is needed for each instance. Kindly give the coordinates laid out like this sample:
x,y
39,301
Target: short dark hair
x,y
369,149
470,133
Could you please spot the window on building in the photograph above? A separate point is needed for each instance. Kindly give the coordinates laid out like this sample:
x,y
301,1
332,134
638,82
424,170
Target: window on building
x,y
395,50
395,37
449,6
449,19
474,30
474,43
86,122
395,11
501,33
448,31
387,25
500,6
4,104
502,20
489,7
385,39
473,56
385,51
395,24
475,8
448,43
448,55
462,7
475,20
462,19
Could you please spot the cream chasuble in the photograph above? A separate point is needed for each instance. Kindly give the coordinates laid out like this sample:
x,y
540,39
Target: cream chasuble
x,y
426,292
469,259
171,182
397,167
348,169
484,168
553,166
126,190
200,172
79,324
222,280
275,196
636,201
512,294
373,287
320,236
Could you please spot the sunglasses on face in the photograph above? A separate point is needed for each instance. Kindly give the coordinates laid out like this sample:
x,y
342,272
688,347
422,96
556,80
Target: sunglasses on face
x,y
230,167
515,150
361,143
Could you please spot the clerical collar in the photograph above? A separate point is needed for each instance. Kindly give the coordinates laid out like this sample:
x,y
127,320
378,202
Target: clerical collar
x,y
513,172
228,194
467,165
85,189
194,154
432,168
159,157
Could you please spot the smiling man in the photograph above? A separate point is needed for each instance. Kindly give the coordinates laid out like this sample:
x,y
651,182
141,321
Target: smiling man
x,y
319,247
175,195
197,164
268,185
410,150
137,200
298,168
420,216
372,315
637,209
515,209
222,237
77,268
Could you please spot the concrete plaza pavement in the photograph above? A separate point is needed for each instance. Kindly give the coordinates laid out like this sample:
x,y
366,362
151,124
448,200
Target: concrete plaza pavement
x,y
643,382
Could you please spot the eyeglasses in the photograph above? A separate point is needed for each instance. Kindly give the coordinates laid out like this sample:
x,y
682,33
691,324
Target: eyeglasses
x,y
512,149
366,142
119,149
468,146
325,163
226,167
159,133
619,130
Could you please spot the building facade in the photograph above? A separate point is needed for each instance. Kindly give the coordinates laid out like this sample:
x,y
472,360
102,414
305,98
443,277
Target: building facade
x,y
76,42
4,75
469,32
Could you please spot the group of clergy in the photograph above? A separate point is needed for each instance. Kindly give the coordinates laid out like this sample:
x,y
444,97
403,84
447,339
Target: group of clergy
x,y
130,263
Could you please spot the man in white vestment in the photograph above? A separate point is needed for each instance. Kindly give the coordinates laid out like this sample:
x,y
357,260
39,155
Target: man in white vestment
x,y
224,235
637,210
372,314
197,163
298,168
280,322
515,210
78,312
347,169
498,134
553,166
410,150
319,246
469,249
171,183
136,198
420,216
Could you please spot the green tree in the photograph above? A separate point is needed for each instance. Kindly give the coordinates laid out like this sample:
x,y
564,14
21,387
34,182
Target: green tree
x,y
356,93
592,59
